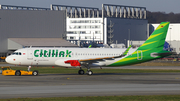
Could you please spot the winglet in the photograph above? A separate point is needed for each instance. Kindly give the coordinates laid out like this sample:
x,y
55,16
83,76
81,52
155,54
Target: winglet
x,y
127,50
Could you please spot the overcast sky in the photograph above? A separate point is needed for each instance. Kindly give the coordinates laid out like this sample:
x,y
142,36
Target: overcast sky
x,y
151,5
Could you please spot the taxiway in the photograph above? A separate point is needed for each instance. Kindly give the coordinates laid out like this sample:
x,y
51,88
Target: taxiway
x,y
68,85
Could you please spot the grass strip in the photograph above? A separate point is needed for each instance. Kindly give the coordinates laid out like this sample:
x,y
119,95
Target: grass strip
x,y
104,98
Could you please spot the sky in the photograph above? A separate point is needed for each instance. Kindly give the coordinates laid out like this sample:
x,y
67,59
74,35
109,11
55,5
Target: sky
x,y
166,6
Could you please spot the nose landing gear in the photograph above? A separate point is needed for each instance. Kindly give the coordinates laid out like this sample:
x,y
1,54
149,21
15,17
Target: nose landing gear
x,y
29,67
89,72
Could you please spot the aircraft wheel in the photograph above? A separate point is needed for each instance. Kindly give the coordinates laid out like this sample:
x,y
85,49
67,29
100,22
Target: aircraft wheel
x,y
35,73
81,72
89,72
18,73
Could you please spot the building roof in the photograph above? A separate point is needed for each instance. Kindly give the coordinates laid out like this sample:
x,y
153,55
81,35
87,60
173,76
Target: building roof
x,y
42,42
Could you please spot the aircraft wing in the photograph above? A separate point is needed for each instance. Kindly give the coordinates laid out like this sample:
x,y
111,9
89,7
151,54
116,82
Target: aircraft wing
x,y
93,60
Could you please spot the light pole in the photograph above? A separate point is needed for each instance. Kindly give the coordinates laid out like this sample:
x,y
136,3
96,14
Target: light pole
x,y
125,42
129,35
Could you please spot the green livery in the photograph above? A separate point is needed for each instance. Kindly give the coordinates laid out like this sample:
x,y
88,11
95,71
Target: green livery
x,y
127,50
52,53
151,49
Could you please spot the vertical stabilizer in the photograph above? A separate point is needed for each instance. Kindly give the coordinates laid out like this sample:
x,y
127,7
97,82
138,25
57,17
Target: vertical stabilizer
x,y
157,38
151,49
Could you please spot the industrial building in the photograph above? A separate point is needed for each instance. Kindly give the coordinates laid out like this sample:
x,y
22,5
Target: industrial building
x,y
78,25
173,35
19,23
72,26
112,24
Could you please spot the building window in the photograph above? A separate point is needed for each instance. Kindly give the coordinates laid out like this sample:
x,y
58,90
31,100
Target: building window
x,y
97,32
82,32
87,21
71,37
97,21
87,37
92,21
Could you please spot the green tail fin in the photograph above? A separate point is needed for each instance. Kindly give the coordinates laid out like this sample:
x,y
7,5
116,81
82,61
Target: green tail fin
x,y
157,38
151,49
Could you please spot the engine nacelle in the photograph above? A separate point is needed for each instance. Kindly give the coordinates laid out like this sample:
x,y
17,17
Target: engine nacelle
x,y
100,64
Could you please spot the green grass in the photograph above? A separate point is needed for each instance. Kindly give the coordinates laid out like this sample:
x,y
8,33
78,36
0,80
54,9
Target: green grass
x,y
104,98
61,70
159,63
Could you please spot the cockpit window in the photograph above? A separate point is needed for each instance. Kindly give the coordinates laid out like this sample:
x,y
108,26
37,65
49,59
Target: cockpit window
x,y
16,53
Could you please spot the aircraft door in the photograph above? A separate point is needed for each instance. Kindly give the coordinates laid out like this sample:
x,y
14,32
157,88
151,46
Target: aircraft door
x,y
139,55
29,54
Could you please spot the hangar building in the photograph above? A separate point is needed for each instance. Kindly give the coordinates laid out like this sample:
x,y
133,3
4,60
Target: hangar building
x,y
112,24
173,35
28,22
78,25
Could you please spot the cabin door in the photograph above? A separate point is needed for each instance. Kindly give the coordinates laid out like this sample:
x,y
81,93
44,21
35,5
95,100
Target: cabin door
x,y
29,54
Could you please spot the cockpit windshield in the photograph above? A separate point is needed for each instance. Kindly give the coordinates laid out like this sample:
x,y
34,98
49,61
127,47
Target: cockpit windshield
x,y
16,53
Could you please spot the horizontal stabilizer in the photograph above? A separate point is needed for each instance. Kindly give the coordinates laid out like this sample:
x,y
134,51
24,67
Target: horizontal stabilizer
x,y
164,54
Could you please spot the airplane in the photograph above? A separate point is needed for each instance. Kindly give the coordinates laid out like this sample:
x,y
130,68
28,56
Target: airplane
x,y
151,49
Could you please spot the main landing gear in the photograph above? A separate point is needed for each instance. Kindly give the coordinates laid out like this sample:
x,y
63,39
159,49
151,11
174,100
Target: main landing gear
x,y
81,72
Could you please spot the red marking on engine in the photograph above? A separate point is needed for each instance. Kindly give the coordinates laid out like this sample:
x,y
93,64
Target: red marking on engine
x,y
24,53
14,59
73,62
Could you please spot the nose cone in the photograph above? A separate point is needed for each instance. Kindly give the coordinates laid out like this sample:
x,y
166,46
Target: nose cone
x,y
9,60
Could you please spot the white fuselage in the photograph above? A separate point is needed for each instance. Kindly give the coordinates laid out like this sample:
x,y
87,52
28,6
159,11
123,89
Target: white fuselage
x,y
57,56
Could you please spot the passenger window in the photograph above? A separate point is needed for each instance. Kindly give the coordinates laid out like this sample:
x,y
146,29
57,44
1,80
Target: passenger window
x,y
19,53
